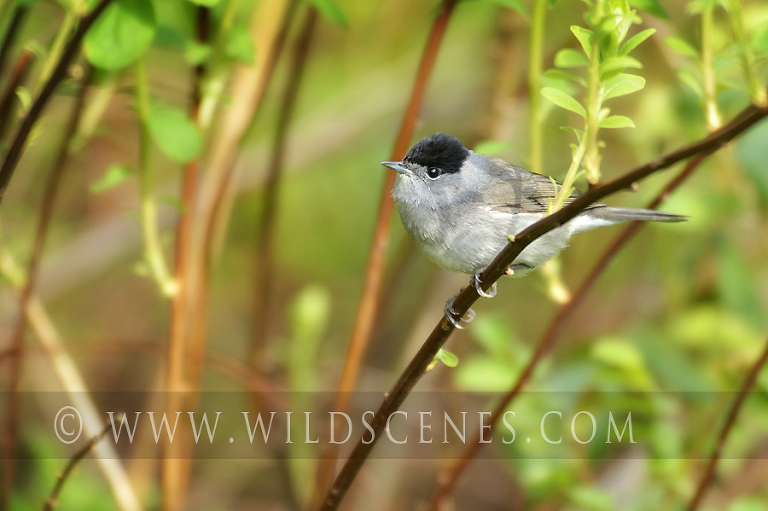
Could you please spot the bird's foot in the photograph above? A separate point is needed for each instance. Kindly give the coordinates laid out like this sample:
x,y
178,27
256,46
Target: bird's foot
x,y
454,318
478,285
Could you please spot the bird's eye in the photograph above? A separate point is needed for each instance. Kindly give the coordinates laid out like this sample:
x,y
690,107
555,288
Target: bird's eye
x,y
433,172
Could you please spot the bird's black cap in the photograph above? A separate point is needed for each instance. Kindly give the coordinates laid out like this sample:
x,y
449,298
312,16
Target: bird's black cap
x,y
439,150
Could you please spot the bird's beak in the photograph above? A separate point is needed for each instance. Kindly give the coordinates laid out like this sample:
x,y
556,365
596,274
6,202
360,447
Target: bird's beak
x,y
397,166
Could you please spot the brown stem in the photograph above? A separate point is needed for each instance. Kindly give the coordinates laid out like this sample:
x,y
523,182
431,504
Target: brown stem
x,y
730,420
59,73
497,268
53,500
18,75
17,345
547,341
176,469
371,293
264,267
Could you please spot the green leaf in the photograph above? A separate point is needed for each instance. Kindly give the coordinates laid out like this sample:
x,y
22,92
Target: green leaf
x,y
652,7
114,175
584,36
579,133
331,10
175,133
681,46
25,97
692,80
197,53
121,35
618,64
570,58
759,39
621,85
635,41
206,3
752,153
617,121
563,100
516,5
558,75
448,358
239,45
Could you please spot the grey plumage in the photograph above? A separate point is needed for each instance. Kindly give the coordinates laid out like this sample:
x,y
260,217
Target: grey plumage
x,y
460,206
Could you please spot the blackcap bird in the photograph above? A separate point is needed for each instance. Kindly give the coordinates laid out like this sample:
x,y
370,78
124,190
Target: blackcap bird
x,y
460,207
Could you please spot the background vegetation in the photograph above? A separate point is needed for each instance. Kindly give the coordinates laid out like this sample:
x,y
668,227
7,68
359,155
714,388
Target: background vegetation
x,y
194,211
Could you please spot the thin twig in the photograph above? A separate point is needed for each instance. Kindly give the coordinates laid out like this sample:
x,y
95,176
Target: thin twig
x,y
17,345
264,267
19,73
448,481
259,360
372,282
59,73
19,14
464,300
53,500
730,420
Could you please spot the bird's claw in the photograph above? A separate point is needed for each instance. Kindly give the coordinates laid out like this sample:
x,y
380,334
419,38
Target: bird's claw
x,y
451,314
478,285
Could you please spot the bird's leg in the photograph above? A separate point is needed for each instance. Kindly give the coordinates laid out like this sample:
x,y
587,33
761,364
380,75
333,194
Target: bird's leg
x,y
451,314
478,285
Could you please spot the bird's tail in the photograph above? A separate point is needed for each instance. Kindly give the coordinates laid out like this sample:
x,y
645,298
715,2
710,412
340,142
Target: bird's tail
x,y
628,214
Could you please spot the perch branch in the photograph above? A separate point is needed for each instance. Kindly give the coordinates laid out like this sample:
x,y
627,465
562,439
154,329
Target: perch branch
x,y
497,268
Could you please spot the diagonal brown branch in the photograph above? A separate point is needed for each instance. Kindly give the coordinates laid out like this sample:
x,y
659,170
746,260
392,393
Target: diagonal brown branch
x,y
548,339
464,300
730,420
59,73
372,282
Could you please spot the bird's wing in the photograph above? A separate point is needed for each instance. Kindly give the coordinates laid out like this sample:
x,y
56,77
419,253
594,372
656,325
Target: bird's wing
x,y
520,191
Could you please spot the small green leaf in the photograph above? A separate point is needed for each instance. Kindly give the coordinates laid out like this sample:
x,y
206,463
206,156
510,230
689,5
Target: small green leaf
x,y
175,133
618,64
331,10
558,75
617,121
448,358
692,80
621,85
681,46
635,41
760,39
121,35
579,133
25,97
652,7
197,53
114,175
584,36
239,45
563,100
570,58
